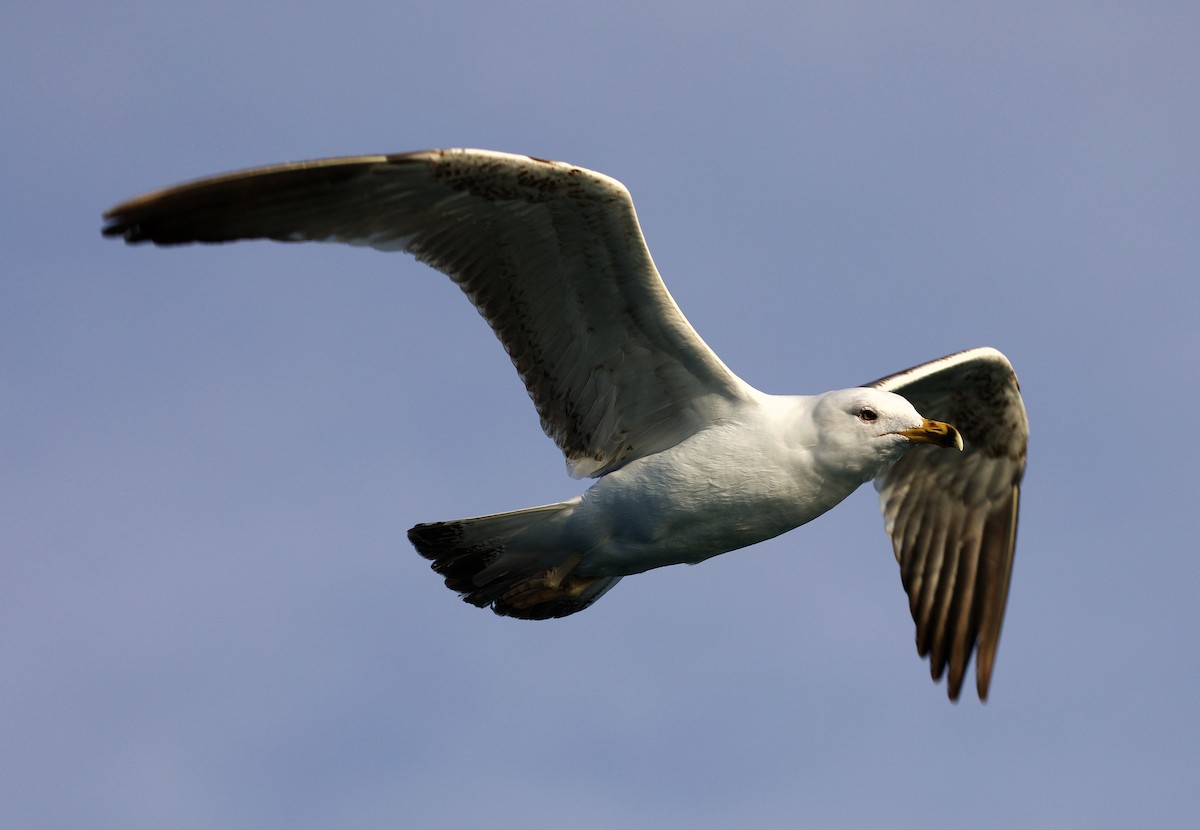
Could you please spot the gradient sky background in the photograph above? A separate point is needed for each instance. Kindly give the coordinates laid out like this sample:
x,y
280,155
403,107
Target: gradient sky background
x,y
209,614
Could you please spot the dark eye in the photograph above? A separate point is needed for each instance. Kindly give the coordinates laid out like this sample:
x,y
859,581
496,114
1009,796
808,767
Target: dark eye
x,y
867,415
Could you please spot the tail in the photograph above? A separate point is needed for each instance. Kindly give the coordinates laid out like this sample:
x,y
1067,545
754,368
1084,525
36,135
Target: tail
x,y
512,562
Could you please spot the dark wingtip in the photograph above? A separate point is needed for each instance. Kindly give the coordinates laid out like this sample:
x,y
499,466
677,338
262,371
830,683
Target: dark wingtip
x,y
121,223
118,227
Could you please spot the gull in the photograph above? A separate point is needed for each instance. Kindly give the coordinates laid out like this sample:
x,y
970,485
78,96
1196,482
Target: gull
x,y
690,461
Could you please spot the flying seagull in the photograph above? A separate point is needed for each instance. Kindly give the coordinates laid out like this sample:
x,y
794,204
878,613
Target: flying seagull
x,y
690,461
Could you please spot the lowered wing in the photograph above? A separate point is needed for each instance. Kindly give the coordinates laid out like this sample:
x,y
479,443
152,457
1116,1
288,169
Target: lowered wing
x,y
952,517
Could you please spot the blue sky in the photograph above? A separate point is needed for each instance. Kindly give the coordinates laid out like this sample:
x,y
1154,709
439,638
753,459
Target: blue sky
x,y
209,614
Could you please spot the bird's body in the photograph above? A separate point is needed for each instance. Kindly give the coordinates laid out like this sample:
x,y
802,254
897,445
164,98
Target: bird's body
x,y
728,486
690,460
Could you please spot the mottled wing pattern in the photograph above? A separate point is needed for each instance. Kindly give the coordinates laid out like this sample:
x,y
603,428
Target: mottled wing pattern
x,y
552,256
952,517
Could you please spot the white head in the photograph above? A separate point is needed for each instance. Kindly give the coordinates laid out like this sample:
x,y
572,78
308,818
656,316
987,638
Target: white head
x,y
862,431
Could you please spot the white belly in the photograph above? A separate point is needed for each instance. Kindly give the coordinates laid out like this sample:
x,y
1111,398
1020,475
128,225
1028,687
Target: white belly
x,y
707,496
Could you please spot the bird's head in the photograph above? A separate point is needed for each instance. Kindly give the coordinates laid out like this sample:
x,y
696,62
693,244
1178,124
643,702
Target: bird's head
x,y
862,431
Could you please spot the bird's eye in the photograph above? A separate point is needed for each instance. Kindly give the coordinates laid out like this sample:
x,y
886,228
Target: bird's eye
x,y
867,415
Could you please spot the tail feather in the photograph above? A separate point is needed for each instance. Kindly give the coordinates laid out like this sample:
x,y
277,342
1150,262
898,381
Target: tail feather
x,y
511,562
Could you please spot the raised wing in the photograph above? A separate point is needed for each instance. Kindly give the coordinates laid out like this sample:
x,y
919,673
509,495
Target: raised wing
x,y
552,256
953,516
